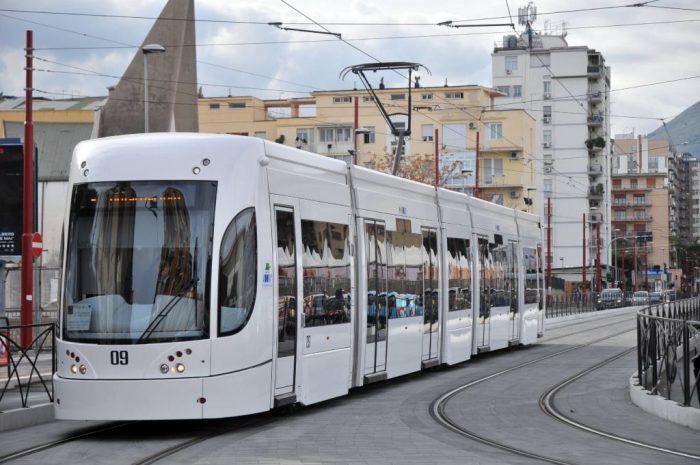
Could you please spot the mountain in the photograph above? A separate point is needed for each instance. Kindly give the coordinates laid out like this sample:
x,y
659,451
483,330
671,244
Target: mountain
x,y
684,127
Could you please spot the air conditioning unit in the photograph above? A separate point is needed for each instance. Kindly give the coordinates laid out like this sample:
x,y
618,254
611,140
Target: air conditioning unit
x,y
514,155
546,145
514,194
547,169
547,95
509,71
547,119
472,125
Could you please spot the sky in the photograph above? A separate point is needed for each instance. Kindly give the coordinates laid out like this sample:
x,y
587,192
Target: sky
x,y
642,45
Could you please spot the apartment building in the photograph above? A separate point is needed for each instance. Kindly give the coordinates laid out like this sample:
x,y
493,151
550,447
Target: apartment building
x,y
684,195
347,125
567,90
641,202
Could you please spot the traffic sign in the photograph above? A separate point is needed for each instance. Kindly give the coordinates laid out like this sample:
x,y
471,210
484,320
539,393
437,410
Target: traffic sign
x,y
37,244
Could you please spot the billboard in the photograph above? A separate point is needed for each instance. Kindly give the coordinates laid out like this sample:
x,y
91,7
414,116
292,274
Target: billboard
x,y
11,176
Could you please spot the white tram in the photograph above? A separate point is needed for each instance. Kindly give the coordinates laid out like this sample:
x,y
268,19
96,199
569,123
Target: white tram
x,y
213,276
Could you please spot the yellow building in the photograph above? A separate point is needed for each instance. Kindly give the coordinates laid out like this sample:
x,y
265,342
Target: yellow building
x,y
325,123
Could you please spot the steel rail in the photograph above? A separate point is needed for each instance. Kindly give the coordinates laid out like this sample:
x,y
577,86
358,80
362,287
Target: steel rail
x,y
437,408
49,445
171,450
546,402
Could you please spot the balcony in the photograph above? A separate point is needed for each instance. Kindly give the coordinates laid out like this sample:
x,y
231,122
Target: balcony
x,y
595,97
487,182
595,121
332,149
631,189
595,169
596,192
633,219
594,70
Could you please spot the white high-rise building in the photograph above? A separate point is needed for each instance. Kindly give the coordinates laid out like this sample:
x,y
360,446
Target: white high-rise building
x,y
567,91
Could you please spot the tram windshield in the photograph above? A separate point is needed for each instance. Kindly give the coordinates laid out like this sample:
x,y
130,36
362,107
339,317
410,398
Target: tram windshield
x,y
138,261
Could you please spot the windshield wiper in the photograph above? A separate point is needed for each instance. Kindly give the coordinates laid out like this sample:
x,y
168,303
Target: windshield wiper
x,y
166,310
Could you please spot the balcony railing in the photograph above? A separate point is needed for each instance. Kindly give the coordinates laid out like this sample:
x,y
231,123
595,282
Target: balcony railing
x,y
595,120
595,97
332,148
595,169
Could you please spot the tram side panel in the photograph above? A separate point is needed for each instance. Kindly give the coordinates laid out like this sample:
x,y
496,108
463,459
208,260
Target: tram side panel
x,y
316,196
530,233
457,249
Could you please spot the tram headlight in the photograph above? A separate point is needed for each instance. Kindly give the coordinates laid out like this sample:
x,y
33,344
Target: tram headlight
x,y
164,368
180,368
74,369
83,369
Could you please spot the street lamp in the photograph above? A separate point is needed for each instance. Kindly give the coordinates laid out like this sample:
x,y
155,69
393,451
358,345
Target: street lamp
x,y
465,175
528,199
147,50
356,151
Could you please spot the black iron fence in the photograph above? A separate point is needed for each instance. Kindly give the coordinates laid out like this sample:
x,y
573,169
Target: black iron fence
x,y
668,350
28,370
582,302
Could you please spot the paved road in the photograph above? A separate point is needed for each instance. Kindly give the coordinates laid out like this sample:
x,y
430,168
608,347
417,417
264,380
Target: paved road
x,y
391,422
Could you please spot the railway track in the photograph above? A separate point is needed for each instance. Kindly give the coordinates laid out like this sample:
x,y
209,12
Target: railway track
x,y
439,414
546,402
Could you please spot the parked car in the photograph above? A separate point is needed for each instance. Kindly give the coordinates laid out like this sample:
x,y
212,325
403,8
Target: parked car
x,y
655,297
640,298
610,298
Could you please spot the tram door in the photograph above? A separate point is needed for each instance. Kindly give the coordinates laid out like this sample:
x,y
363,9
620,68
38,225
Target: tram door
x,y
431,295
287,305
482,334
541,293
376,344
513,286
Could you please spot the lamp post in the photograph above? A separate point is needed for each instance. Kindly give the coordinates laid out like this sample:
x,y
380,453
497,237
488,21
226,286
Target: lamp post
x,y
147,50
465,175
612,242
356,151
615,233
528,199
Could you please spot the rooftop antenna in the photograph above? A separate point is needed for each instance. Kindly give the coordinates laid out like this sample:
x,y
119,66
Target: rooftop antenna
x,y
526,16
395,66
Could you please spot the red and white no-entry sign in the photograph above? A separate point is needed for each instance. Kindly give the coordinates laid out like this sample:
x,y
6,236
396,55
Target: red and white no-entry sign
x,y
37,244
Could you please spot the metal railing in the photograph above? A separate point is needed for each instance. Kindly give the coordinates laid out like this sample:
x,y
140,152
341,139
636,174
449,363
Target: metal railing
x,y
668,350
27,367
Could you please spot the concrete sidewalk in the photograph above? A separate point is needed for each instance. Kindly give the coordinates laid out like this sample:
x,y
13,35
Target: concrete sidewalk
x,y
26,382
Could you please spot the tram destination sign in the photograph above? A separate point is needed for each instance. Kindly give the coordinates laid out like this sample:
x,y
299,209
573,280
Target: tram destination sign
x,y
11,175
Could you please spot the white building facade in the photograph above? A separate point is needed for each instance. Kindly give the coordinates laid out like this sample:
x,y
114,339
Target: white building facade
x,y
567,91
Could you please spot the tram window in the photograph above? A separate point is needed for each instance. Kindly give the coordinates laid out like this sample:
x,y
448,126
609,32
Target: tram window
x,y
501,279
459,274
431,279
287,284
486,277
413,284
237,273
531,287
396,262
326,279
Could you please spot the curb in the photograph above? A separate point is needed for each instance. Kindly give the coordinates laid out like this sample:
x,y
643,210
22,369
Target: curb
x,y
557,321
666,409
30,416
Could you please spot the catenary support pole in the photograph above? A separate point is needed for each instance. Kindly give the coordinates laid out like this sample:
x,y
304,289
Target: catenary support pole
x,y
27,297
476,177
597,258
583,263
437,160
549,246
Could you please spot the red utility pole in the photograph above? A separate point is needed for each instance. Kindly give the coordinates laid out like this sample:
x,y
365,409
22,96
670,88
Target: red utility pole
x,y
597,258
26,316
476,177
583,263
635,264
549,242
437,160
624,279
354,131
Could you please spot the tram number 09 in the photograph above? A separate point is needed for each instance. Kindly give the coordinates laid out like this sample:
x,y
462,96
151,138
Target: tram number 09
x,y
119,357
